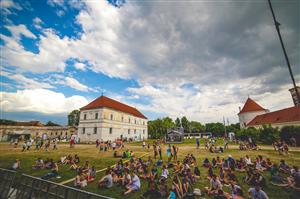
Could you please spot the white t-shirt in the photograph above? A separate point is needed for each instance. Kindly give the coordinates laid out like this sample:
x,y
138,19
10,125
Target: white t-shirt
x,y
257,194
215,184
165,173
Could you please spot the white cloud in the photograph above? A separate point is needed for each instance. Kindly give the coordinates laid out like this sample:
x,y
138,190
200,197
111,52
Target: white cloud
x,y
7,5
37,23
40,100
80,66
73,83
26,83
166,45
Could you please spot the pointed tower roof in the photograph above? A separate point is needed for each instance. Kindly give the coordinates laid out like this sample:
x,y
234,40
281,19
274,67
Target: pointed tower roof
x,y
103,101
251,105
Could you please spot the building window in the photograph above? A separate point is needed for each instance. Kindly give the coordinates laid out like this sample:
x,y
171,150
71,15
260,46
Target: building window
x,y
128,131
95,130
134,131
143,131
96,116
135,121
143,122
83,130
66,133
111,117
110,130
51,133
84,116
61,133
128,120
122,118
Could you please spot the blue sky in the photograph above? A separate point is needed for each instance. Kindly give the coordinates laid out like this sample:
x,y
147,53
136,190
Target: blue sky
x,y
166,59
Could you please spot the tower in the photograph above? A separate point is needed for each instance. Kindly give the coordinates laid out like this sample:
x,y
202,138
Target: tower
x,y
250,110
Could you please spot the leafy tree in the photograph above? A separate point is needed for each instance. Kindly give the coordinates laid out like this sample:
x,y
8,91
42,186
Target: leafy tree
x,y
185,124
249,132
287,132
7,122
217,129
177,123
268,134
50,123
233,127
73,118
196,126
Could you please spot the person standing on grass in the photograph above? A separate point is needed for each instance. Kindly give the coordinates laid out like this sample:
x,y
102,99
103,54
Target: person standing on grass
x,y
24,146
198,143
175,152
155,150
144,144
47,145
55,144
159,152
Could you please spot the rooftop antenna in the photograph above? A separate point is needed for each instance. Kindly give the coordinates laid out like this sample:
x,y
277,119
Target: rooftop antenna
x,y
277,24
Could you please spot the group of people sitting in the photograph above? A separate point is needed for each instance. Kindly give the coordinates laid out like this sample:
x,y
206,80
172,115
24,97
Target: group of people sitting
x,y
281,146
107,145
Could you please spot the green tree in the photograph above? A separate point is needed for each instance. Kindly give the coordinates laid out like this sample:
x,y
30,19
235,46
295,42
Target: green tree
x,y
268,134
73,118
216,129
50,123
249,132
233,127
177,123
196,126
287,132
185,124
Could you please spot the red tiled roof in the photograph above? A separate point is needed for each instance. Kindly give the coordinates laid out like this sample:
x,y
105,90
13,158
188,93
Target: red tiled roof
x,y
103,101
281,116
251,105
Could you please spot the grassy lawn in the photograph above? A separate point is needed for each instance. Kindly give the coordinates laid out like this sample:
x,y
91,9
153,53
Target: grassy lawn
x,y
103,159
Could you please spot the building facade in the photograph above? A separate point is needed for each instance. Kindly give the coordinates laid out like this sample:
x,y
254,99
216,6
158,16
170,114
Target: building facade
x,y
8,132
253,115
250,110
107,119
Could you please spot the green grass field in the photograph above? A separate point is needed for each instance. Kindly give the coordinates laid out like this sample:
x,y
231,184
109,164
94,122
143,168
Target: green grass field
x,y
103,159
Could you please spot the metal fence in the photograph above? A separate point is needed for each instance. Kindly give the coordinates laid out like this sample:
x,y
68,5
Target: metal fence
x,y
29,187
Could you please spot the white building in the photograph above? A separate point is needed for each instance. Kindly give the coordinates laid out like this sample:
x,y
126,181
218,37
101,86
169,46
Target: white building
x,y
253,115
108,119
250,110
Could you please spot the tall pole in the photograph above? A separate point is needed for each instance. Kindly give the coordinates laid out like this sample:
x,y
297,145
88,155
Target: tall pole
x,y
277,24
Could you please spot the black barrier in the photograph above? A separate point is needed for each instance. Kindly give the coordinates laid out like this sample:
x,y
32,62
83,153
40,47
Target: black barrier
x,y
6,181
29,187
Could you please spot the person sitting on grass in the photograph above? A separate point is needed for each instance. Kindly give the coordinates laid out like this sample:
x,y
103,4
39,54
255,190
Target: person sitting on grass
x,y
80,180
294,179
86,167
215,186
276,178
16,165
240,165
91,174
106,181
250,176
163,189
126,178
49,164
259,179
152,190
283,167
257,193
236,191
116,155
76,159
210,173
258,165
178,167
53,173
248,160
206,163
230,177
39,164
221,175
134,185
172,194
196,172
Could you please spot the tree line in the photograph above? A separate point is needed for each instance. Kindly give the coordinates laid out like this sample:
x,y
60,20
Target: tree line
x,y
158,128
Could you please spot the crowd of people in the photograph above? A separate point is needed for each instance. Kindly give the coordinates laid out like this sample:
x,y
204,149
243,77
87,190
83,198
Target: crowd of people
x,y
169,177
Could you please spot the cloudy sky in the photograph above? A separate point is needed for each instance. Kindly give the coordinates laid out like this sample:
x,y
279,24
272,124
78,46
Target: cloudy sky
x,y
195,58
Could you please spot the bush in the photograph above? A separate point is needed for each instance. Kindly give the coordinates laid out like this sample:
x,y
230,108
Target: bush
x,y
287,132
268,134
249,132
